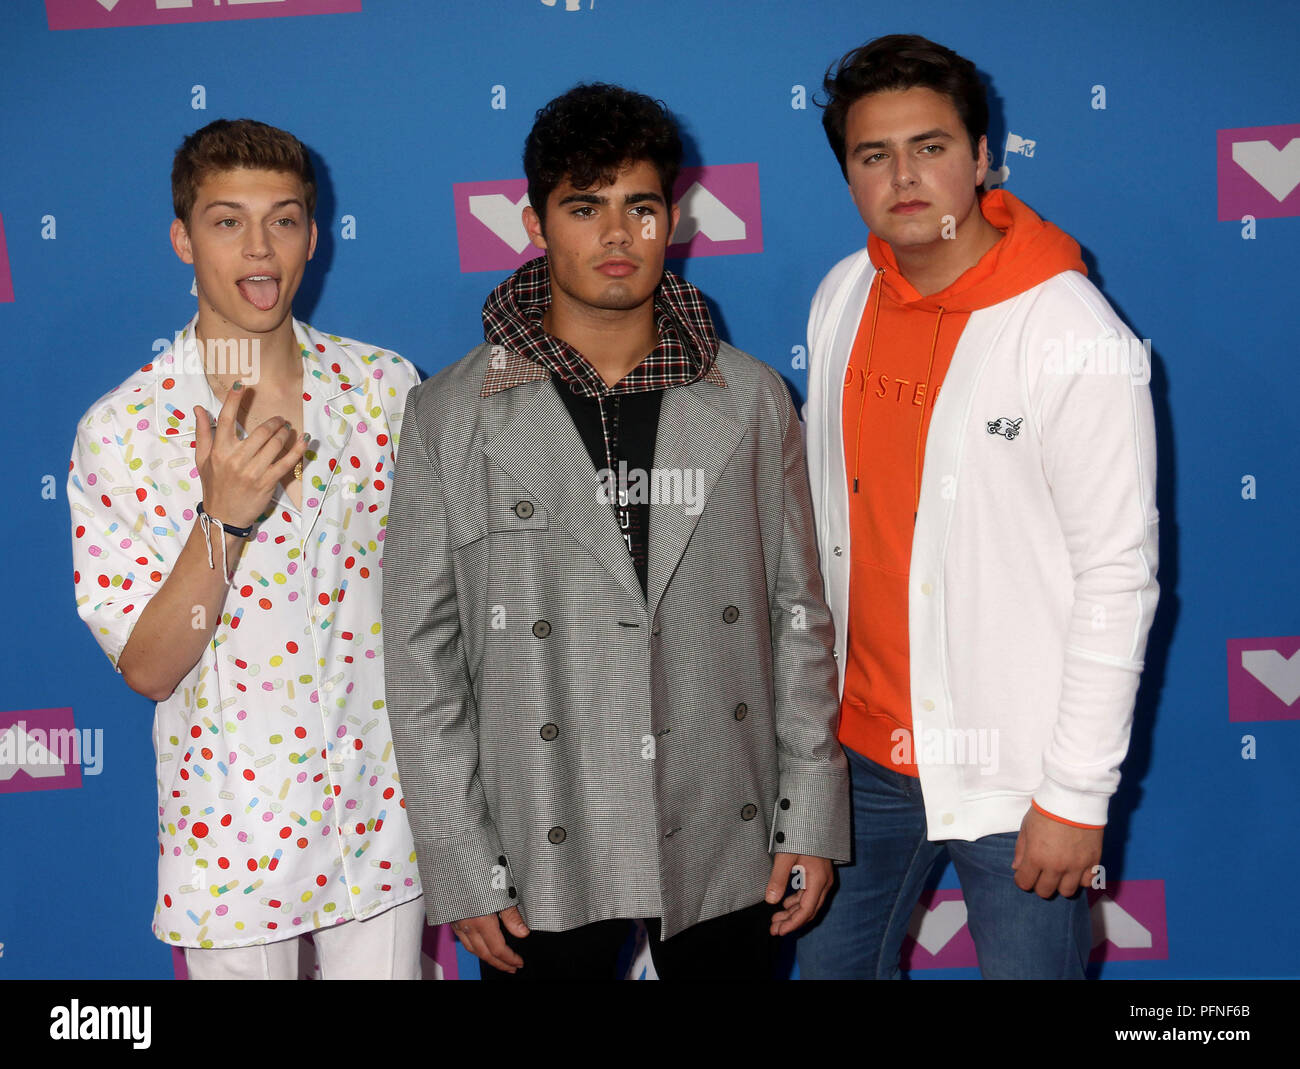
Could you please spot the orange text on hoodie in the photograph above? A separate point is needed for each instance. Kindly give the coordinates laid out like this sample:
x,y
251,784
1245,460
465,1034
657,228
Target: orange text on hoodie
x,y
901,353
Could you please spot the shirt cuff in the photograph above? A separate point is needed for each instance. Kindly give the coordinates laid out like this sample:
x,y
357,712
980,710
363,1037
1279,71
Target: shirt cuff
x,y
1062,820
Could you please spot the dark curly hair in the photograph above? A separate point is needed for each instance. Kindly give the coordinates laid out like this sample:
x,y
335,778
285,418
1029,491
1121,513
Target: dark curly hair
x,y
592,131
902,61
228,144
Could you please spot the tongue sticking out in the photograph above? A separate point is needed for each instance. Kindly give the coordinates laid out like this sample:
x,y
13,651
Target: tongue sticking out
x,y
263,293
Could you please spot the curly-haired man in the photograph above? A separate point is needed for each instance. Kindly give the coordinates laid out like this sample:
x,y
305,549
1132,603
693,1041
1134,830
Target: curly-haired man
x,y
610,673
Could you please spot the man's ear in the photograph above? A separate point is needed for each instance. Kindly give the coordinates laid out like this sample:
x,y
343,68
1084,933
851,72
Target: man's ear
x,y
181,241
311,248
533,227
677,215
982,161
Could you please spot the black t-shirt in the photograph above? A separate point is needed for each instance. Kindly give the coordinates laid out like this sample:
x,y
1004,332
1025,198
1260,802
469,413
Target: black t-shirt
x,y
633,424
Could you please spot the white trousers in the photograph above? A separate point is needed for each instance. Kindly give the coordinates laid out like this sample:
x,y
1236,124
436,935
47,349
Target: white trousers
x,y
384,947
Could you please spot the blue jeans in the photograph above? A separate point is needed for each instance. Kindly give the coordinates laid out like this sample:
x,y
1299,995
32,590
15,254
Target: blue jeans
x,y
859,934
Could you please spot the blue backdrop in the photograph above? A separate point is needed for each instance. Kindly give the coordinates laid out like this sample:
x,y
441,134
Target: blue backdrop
x,y
1114,113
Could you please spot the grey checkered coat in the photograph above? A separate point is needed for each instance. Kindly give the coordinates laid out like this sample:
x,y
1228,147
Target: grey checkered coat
x,y
563,745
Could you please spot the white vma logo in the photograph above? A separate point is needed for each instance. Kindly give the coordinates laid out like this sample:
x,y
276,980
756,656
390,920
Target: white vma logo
x,y
703,213
1110,921
1280,674
502,216
1277,170
19,752
933,929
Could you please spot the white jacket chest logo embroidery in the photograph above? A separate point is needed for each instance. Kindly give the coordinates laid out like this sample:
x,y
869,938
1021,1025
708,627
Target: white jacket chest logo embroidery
x,y
1008,428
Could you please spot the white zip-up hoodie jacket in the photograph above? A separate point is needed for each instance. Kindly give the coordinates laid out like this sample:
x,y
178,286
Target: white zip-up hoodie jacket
x,y
1032,582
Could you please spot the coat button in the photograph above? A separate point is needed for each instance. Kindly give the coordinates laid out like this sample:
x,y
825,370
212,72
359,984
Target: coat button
x,y
524,510
511,892
501,860
839,552
557,835
785,803
541,629
748,812
779,837
731,614
549,731
655,632
742,711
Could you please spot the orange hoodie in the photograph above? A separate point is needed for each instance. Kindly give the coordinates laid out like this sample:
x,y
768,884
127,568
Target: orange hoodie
x,y
903,347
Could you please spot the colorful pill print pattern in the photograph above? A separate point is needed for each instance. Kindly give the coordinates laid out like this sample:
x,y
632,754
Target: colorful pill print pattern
x,y
279,807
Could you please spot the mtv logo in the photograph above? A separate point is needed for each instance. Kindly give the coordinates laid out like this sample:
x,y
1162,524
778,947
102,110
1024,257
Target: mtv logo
x,y
1128,921
1259,171
720,215
937,936
104,14
1021,145
1128,924
438,953
1264,678
6,279
489,225
721,212
33,745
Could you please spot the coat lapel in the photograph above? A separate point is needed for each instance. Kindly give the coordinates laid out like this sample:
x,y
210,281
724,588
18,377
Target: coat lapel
x,y
330,417
540,448
696,439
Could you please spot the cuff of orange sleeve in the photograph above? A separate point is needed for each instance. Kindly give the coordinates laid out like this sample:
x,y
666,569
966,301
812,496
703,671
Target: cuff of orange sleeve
x,y
1062,820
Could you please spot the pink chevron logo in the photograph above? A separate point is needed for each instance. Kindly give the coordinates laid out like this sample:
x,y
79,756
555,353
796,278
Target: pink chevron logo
x,y
6,279
1259,171
721,215
107,14
1264,678
43,750
1128,924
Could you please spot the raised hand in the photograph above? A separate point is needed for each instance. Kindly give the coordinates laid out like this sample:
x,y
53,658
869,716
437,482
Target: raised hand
x,y
239,477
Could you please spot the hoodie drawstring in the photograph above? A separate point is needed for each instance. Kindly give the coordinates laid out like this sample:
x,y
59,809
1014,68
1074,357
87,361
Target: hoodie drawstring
x,y
878,285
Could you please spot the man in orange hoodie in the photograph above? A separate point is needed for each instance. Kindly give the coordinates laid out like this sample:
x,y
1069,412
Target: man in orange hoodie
x,y
980,447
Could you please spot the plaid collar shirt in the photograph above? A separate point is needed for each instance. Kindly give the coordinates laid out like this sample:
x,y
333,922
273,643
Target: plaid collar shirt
x,y
512,319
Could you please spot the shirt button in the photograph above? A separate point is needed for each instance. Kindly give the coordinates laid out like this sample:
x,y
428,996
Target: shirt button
x,y
731,614
541,629
927,589
557,835
748,812
785,803
927,704
524,510
948,818
549,731
835,655
742,711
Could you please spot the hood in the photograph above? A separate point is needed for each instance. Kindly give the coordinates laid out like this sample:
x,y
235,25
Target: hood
x,y
512,317
1031,251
